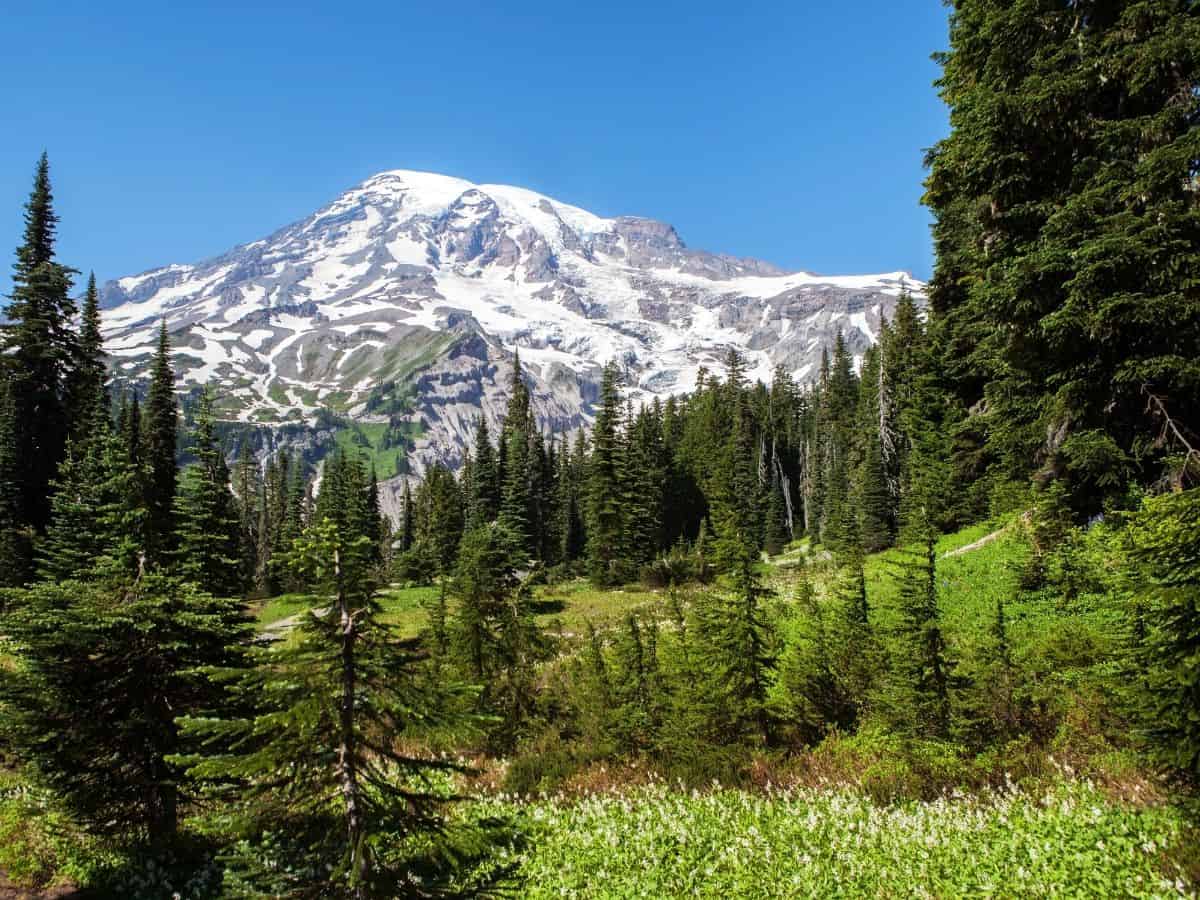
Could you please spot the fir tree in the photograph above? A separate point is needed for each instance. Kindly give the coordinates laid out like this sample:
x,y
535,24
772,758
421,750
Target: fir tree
x,y
208,536
40,349
158,449
1067,232
919,697
103,675
248,493
313,764
605,546
515,437
493,632
484,503
1166,577
87,398
16,537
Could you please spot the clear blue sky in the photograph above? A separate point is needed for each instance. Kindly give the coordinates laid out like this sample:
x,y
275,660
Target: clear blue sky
x,y
788,131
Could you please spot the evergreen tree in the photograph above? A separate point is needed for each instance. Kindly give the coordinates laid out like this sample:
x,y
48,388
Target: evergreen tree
x,y
39,351
1067,232
919,697
515,439
605,545
87,398
492,632
208,536
158,449
16,537
775,535
644,471
484,503
313,764
1166,557
407,524
103,673
248,494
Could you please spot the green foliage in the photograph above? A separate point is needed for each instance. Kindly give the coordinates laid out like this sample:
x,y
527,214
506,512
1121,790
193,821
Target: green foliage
x,y
1166,554
208,532
807,843
158,450
1067,231
492,632
99,677
307,752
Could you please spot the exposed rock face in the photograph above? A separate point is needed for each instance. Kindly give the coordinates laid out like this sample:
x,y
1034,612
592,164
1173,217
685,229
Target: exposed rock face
x,y
433,282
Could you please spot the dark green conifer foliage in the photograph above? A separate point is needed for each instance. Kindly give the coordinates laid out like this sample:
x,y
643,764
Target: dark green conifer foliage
x,y
1067,231
1166,538
493,633
570,502
208,530
248,494
74,540
87,398
103,674
918,699
313,764
158,449
605,513
644,482
775,533
40,350
484,503
811,693
16,536
407,524
515,440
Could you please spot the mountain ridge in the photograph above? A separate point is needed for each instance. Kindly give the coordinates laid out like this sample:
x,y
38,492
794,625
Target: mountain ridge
x,y
429,283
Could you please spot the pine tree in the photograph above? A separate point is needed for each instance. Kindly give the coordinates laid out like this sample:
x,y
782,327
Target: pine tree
x,y
493,632
39,351
313,764
87,398
484,503
158,449
1067,232
919,697
605,544
103,674
208,535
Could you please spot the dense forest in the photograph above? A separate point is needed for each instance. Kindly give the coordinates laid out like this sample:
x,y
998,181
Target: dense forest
x,y
791,539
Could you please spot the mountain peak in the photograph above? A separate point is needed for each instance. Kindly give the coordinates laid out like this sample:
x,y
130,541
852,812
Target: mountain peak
x,y
367,295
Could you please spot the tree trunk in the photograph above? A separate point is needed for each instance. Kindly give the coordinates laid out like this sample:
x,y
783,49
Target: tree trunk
x,y
347,749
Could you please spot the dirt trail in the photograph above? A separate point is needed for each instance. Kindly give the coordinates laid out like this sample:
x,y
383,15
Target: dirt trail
x,y
975,545
9,891
280,627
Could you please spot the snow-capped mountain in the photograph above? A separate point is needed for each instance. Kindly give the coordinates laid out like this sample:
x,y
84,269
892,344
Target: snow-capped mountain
x,y
423,285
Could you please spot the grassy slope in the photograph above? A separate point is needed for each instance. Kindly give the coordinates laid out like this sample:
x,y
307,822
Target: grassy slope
x,y
561,609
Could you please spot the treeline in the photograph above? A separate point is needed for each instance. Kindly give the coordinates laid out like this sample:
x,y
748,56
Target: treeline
x,y
843,460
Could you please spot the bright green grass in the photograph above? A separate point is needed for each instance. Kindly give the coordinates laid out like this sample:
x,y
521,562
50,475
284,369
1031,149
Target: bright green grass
x,y
565,608
365,438
657,842
281,607
407,608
